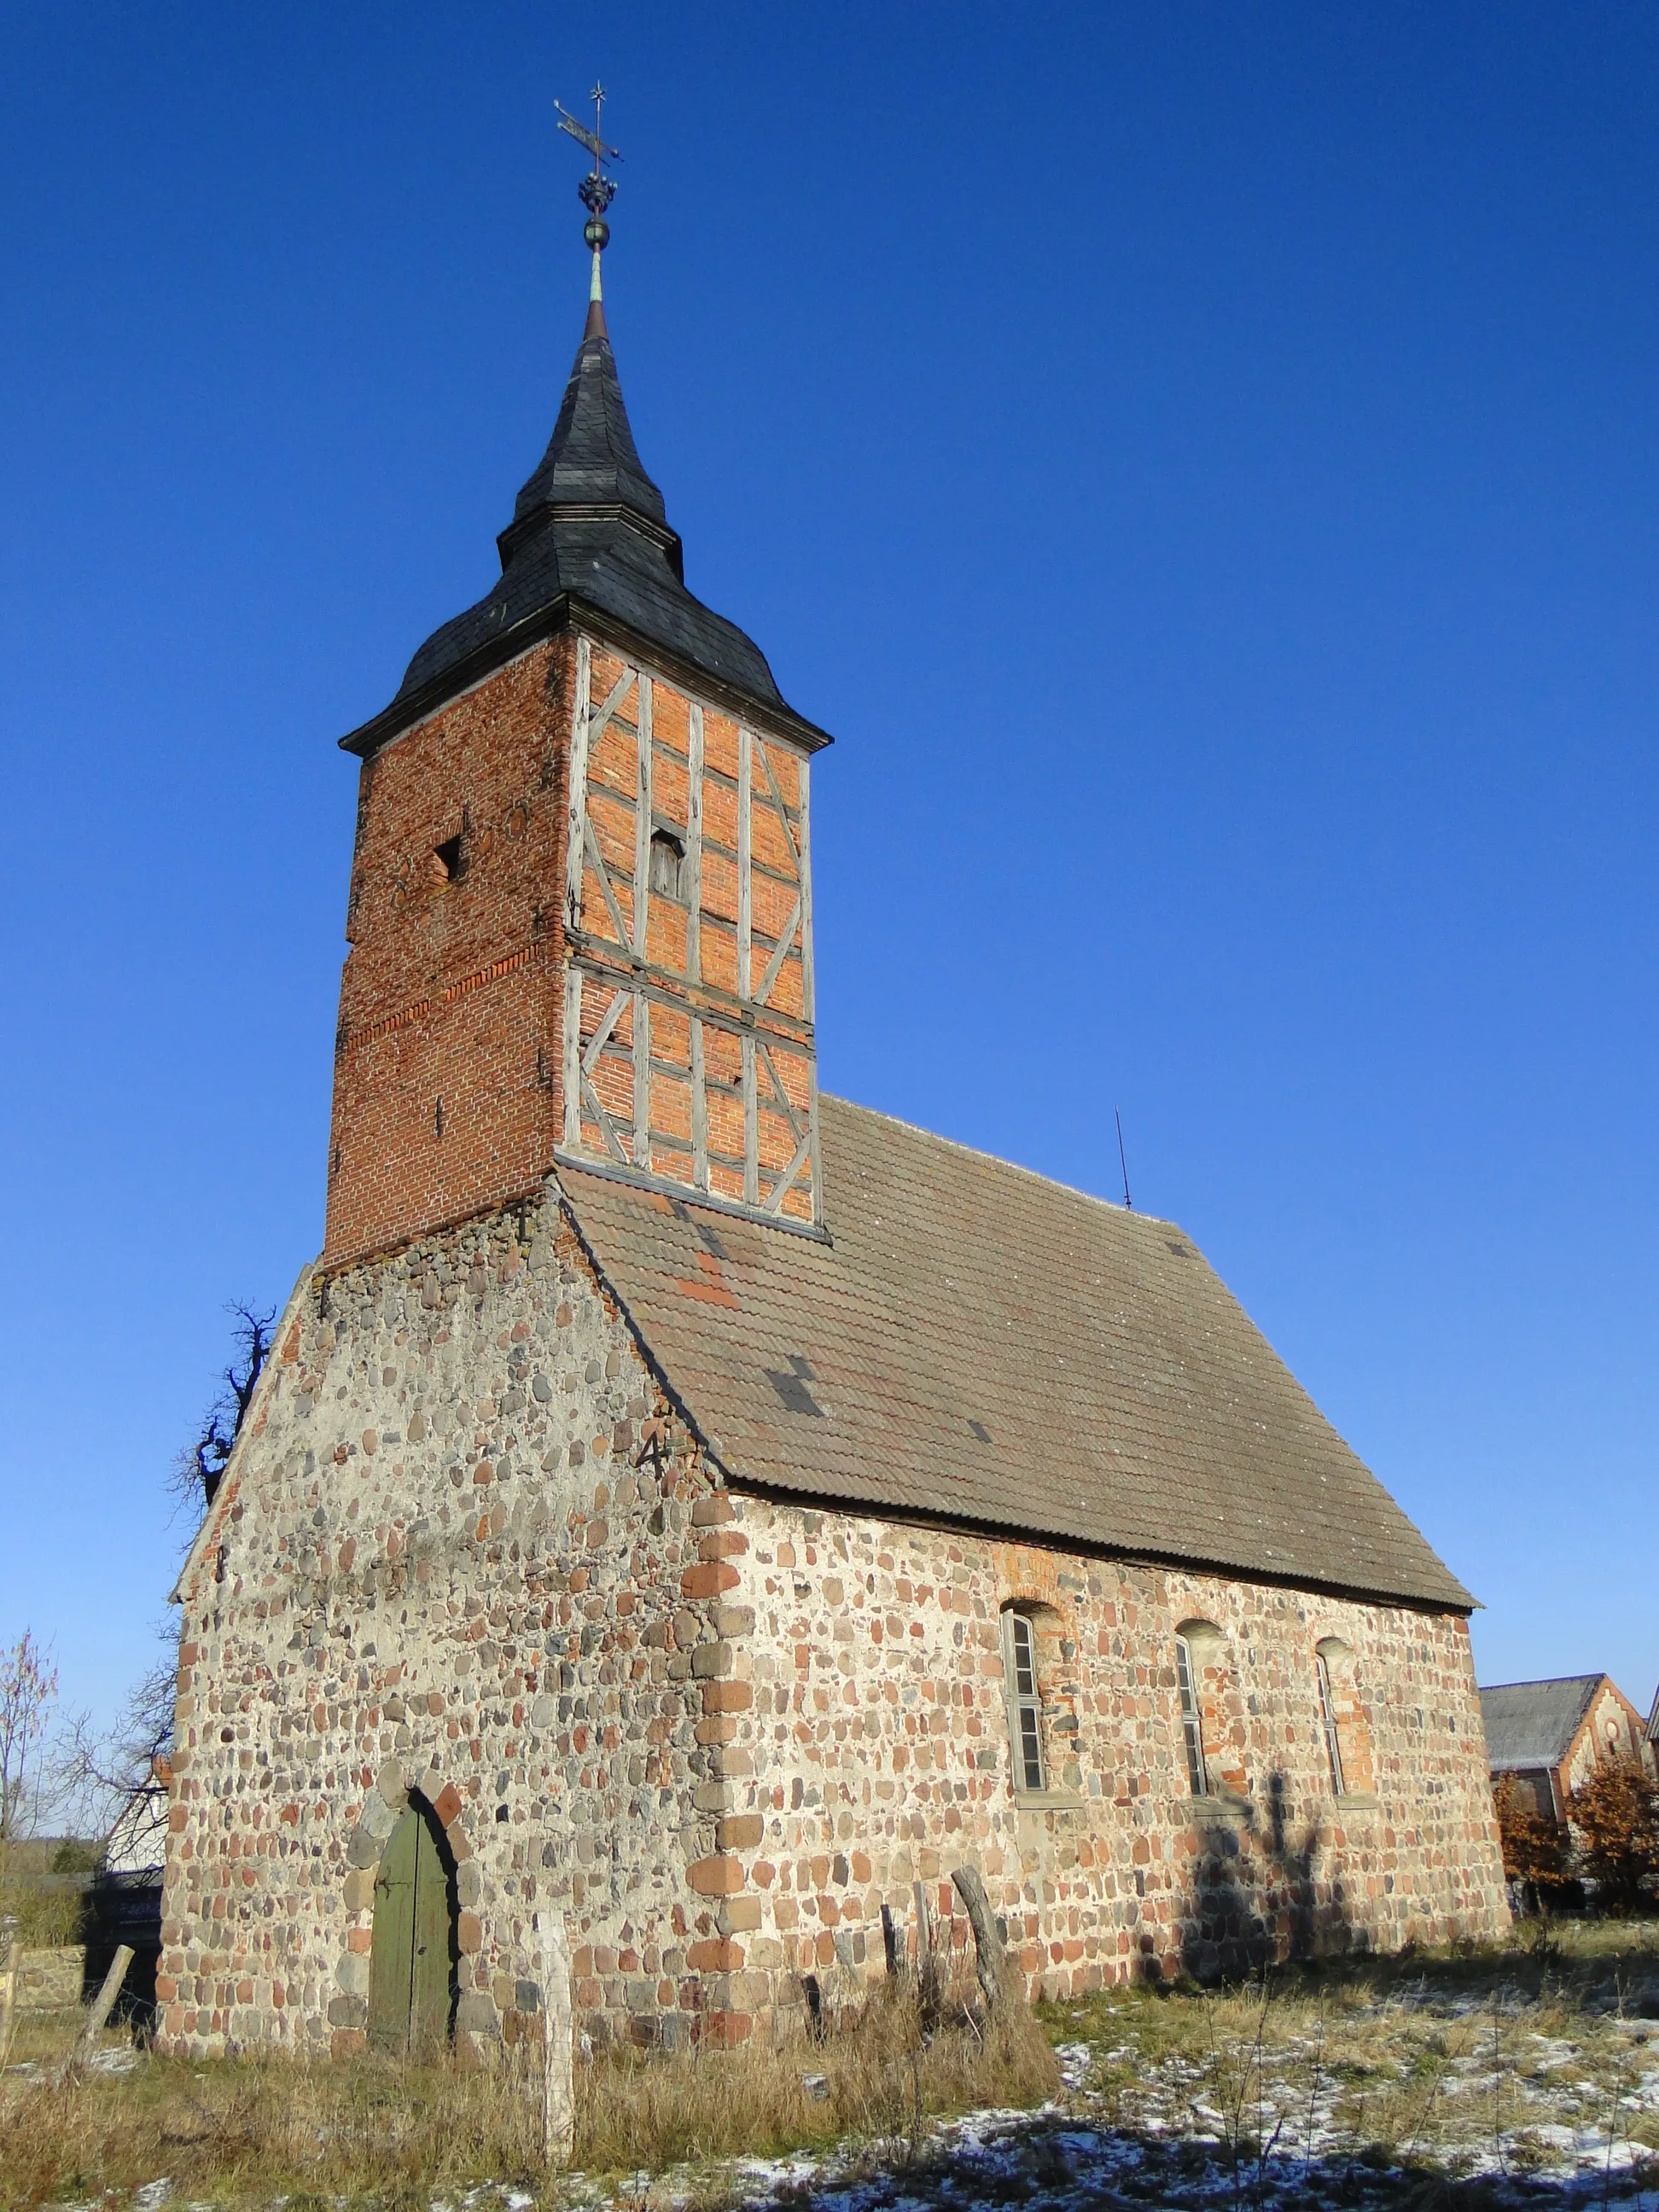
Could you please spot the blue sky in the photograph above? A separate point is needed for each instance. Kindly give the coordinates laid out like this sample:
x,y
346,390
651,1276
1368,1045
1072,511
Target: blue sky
x,y
1202,462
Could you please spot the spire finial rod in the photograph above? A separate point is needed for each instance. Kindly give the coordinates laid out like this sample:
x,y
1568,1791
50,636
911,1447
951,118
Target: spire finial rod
x,y
596,191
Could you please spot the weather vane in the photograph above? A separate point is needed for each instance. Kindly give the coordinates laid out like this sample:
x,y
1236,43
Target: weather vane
x,y
596,190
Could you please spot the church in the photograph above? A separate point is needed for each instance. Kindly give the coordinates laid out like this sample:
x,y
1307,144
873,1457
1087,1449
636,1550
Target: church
x,y
697,1515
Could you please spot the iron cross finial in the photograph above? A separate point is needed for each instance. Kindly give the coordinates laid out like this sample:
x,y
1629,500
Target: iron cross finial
x,y
595,189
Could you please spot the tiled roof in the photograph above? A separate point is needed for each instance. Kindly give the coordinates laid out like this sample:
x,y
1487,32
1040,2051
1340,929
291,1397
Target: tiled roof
x,y
1534,1724
977,1342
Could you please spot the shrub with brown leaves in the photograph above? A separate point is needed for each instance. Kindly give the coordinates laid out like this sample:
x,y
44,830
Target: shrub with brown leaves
x,y
1615,1824
1534,1849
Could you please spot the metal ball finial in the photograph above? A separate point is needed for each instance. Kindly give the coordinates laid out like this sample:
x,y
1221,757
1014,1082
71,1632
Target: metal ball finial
x,y
596,191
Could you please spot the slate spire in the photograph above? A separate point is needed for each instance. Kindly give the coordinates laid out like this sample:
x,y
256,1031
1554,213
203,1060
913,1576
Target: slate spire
x,y
592,463
590,536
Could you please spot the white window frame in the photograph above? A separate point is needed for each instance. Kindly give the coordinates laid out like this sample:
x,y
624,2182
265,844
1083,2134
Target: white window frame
x,y
1019,1665
1192,1719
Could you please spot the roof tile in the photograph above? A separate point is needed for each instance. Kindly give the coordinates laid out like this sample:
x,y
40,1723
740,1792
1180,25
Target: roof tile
x,y
1129,1402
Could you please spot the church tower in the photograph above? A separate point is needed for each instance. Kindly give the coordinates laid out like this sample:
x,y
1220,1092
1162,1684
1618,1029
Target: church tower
x,y
581,910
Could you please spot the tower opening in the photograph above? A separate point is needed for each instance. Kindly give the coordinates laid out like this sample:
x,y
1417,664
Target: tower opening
x,y
667,865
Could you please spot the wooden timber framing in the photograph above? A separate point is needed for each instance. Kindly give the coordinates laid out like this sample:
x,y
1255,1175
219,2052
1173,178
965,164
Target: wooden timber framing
x,y
803,850
693,845
746,861
658,1051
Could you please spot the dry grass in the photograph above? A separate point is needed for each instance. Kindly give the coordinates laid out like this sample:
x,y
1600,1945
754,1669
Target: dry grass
x,y
878,2080
239,2129
1456,2060
41,1899
1377,2082
244,2128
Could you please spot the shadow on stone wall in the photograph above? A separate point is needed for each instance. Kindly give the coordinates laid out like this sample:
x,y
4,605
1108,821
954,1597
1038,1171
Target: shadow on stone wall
x,y
1256,1896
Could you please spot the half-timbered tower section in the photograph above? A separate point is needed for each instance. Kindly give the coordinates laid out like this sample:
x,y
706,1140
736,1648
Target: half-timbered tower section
x,y
580,912
688,1017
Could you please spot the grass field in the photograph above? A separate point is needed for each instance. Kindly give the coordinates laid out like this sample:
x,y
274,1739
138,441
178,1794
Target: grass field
x,y
1524,2075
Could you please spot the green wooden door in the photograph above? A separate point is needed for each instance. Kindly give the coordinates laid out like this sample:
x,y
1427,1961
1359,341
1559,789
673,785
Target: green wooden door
x,y
429,2010
408,1979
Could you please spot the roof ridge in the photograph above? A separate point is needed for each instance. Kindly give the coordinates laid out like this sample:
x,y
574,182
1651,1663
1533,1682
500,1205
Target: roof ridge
x,y
1548,1682
1015,1167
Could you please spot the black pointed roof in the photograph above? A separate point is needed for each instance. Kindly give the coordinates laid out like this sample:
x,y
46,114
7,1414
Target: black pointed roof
x,y
591,458
589,529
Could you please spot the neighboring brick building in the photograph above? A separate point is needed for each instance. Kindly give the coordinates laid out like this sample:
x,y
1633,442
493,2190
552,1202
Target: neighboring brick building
x,y
1552,1736
705,1513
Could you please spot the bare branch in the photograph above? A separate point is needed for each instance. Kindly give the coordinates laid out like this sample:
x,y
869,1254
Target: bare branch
x,y
28,1691
117,1780
200,1466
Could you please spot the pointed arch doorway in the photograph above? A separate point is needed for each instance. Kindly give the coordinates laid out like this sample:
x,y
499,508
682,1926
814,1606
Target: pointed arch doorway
x,y
415,1951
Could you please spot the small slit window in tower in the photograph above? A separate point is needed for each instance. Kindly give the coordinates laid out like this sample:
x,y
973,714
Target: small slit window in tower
x,y
1024,1704
667,865
1192,1719
1327,1722
449,860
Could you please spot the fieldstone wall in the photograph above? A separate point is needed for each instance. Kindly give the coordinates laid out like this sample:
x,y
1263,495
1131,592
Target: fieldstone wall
x,y
456,1552
466,1549
52,1980
867,1749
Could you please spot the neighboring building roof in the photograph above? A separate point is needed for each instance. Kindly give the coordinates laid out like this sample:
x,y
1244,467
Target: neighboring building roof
x,y
975,1341
590,526
1534,1724
1653,1720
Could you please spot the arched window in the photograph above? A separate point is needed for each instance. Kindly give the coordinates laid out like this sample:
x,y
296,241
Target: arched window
x,y
1192,1718
1343,1721
1019,1661
1327,1723
1212,1710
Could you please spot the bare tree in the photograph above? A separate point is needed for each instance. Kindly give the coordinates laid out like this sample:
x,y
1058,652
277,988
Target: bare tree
x,y
116,1781
200,1466
28,1691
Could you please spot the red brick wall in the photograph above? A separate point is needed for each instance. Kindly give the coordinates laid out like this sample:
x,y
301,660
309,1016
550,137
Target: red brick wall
x,y
449,1066
452,991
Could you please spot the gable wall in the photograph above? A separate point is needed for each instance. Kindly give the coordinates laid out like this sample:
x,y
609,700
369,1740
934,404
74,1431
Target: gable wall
x,y
1612,1726
458,1550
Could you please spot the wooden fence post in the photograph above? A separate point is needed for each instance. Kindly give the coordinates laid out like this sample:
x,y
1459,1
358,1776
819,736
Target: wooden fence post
x,y
987,1943
889,1940
8,1999
927,1959
98,2011
558,2044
